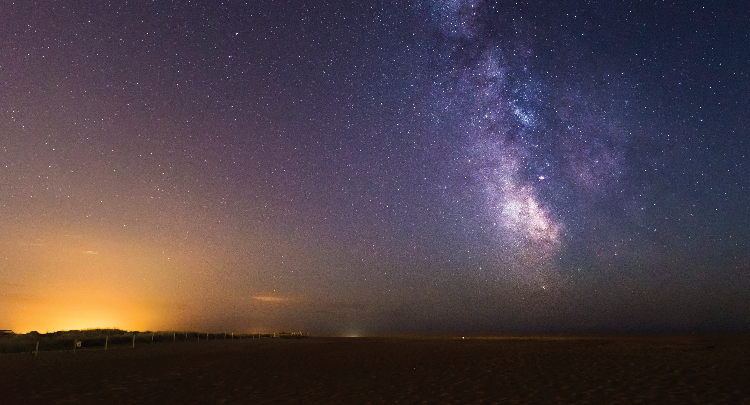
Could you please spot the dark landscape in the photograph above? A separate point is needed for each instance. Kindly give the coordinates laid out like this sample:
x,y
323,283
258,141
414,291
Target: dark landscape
x,y
505,369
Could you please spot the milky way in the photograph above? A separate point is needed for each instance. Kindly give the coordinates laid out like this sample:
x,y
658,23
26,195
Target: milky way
x,y
516,135
555,147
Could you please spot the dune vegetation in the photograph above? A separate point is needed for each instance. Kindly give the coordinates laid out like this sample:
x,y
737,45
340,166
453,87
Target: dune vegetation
x,y
87,339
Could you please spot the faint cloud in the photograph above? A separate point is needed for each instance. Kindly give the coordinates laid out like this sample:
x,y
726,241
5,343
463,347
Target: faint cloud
x,y
271,299
89,252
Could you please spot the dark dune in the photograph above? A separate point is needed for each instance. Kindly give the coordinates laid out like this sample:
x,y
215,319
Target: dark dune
x,y
528,370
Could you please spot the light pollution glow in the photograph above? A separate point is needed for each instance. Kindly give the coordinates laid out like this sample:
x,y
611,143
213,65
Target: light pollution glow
x,y
69,285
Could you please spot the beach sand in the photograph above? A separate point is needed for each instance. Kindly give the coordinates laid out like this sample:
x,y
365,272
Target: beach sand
x,y
506,370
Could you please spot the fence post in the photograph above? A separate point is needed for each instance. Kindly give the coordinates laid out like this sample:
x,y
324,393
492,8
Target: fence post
x,y
152,338
36,352
133,340
106,341
174,337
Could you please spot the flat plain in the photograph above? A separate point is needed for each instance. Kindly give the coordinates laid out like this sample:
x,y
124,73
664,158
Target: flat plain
x,y
380,370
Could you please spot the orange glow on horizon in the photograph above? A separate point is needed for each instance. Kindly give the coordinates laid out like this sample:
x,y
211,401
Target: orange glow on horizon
x,y
63,279
65,282
68,311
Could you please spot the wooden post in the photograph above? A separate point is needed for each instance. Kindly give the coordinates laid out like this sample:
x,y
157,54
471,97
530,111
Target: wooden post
x,y
133,340
106,341
232,336
206,337
174,337
36,352
186,336
152,338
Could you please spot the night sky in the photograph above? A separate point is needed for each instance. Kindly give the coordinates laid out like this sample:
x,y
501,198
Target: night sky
x,y
361,167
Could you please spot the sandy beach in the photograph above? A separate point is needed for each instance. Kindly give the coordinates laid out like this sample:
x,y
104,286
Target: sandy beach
x,y
507,370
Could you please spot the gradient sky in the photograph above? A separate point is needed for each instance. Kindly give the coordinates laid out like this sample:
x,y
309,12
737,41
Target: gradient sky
x,y
356,167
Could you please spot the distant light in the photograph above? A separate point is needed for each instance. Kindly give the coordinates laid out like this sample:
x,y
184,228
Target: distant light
x,y
541,177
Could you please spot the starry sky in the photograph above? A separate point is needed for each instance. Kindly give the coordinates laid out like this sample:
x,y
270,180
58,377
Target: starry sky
x,y
386,166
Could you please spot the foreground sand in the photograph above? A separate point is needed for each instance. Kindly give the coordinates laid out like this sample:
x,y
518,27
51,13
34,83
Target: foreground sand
x,y
389,370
